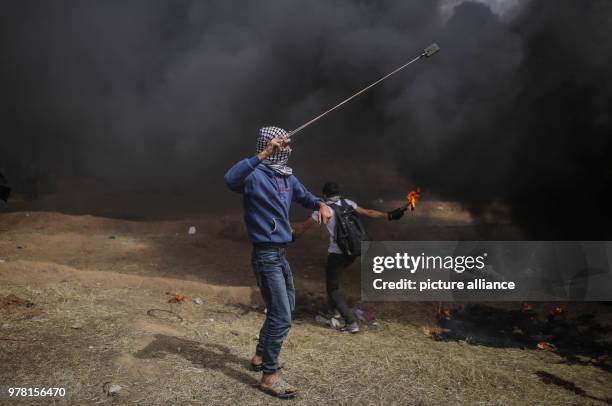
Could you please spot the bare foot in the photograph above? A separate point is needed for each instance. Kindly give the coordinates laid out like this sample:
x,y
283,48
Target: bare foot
x,y
256,360
269,379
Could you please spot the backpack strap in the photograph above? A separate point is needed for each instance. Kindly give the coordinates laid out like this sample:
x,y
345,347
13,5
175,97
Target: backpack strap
x,y
336,209
345,206
337,213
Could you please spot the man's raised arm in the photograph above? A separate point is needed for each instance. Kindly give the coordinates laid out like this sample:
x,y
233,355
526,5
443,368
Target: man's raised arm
x,y
235,177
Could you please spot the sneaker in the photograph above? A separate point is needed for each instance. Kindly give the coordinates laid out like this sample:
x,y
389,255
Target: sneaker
x,y
336,323
322,320
334,314
352,328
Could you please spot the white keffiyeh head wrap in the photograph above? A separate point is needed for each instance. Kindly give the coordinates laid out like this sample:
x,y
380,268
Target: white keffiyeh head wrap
x,y
278,160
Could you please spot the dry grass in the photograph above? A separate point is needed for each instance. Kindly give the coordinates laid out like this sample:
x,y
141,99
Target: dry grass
x,y
204,358
88,328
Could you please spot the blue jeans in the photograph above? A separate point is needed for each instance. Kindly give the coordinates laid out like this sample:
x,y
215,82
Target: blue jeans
x,y
275,283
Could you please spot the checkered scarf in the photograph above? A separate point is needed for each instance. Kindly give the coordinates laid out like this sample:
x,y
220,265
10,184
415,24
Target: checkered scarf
x,y
278,160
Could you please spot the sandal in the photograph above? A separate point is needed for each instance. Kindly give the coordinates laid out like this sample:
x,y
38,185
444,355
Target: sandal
x,y
257,367
280,389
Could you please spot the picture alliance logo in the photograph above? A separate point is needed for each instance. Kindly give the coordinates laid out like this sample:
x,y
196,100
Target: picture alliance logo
x,y
413,263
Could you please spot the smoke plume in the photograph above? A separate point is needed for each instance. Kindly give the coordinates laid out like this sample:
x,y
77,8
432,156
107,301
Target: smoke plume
x,y
166,95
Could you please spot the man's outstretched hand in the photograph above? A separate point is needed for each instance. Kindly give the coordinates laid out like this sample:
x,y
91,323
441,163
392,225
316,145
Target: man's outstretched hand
x,y
275,144
324,213
396,214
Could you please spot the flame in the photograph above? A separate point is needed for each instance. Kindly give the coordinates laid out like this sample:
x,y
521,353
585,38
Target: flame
x,y
413,197
558,310
543,345
442,312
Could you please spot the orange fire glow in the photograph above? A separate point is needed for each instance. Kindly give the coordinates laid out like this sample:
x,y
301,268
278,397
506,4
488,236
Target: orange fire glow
x,y
413,197
558,310
543,345
442,312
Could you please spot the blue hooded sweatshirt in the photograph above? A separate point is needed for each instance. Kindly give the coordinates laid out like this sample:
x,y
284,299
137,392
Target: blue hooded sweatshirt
x,y
267,197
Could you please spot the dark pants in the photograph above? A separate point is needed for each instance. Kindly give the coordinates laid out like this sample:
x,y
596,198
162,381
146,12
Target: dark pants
x,y
333,275
275,283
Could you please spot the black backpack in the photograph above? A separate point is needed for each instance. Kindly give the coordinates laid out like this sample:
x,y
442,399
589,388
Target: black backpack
x,y
349,229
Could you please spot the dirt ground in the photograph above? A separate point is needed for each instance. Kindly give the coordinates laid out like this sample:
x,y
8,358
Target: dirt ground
x,y
84,305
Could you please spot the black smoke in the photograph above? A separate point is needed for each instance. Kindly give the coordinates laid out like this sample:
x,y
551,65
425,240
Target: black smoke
x,y
165,95
524,119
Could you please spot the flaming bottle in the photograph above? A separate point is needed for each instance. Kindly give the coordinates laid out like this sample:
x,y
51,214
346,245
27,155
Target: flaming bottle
x,y
413,197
